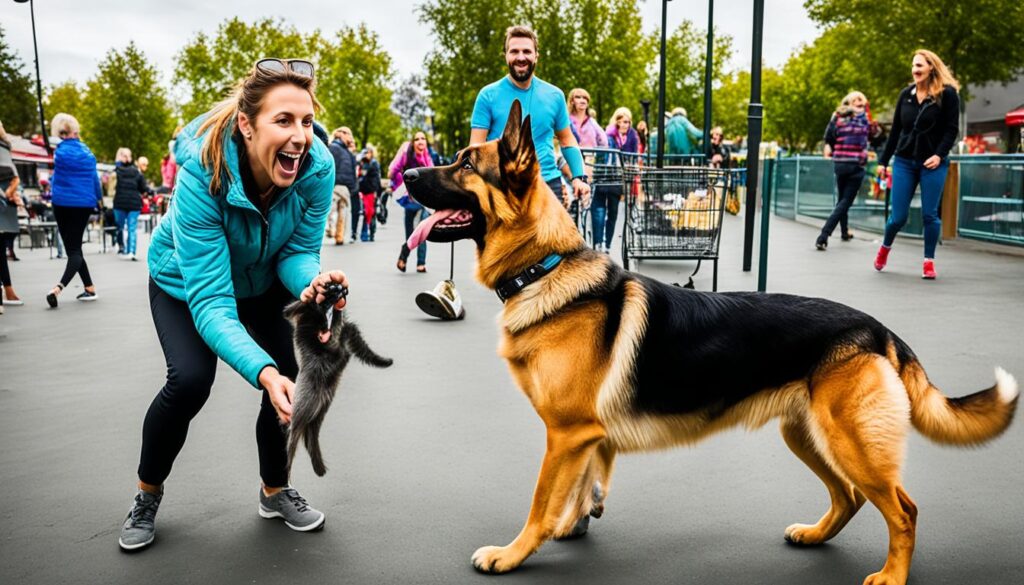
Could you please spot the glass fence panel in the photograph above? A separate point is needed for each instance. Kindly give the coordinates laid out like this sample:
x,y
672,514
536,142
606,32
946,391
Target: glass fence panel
x,y
992,198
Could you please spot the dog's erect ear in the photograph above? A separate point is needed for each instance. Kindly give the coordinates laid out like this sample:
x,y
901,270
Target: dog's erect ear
x,y
519,165
510,137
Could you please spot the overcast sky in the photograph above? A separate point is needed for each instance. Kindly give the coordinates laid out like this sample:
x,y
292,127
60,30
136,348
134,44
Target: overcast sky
x,y
74,35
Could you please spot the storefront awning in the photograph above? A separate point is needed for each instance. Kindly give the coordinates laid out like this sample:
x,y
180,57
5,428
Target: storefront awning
x,y
1015,118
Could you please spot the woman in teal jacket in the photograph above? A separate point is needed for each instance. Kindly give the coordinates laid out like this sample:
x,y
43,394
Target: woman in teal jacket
x,y
242,239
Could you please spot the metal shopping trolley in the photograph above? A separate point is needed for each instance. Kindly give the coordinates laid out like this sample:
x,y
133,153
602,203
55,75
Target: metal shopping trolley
x,y
673,213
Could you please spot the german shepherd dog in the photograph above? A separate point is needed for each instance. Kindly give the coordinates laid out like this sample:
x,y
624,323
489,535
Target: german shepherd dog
x,y
615,362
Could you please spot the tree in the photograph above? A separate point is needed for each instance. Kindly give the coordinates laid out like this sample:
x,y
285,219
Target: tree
x,y
981,41
410,103
469,37
18,105
65,97
685,55
210,67
355,75
126,106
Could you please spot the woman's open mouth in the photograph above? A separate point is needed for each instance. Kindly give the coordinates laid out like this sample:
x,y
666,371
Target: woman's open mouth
x,y
289,162
444,225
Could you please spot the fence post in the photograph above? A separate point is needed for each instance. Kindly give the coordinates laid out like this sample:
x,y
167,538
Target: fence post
x,y
796,189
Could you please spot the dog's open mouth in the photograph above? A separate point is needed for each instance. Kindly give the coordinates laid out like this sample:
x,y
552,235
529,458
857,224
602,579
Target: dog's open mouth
x,y
444,225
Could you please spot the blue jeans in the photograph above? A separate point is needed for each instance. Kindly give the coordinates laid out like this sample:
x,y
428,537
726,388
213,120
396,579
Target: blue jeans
x,y
127,222
604,210
906,175
413,217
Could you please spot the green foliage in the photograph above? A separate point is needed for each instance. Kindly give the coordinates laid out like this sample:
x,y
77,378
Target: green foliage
x,y
469,36
126,106
65,97
210,67
354,84
981,41
353,72
18,108
685,55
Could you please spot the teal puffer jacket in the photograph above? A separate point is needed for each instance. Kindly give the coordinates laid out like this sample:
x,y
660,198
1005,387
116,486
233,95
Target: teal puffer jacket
x,y
211,250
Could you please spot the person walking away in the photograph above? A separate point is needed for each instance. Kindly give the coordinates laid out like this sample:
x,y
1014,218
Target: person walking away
x,y
544,103
131,185
681,134
846,143
588,131
413,154
924,129
604,211
241,240
76,193
10,202
369,185
345,185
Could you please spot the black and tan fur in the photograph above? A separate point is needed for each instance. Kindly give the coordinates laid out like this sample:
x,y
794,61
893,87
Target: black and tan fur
x,y
320,367
616,362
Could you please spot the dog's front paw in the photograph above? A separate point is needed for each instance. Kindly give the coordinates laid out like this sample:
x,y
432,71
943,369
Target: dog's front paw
x,y
495,559
883,579
804,535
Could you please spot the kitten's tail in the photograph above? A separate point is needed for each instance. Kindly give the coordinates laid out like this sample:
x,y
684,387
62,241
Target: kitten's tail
x,y
357,345
310,407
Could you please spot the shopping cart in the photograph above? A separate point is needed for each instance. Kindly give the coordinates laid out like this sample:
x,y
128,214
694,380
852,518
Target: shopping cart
x,y
674,213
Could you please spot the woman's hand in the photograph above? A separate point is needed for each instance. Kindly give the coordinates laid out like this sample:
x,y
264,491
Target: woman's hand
x,y
280,389
318,287
932,162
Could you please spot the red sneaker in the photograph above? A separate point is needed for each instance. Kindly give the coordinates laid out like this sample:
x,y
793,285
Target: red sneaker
x,y
928,270
882,257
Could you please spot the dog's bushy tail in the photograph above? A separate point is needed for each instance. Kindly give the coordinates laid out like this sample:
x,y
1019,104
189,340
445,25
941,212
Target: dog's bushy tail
x,y
968,420
357,345
310,407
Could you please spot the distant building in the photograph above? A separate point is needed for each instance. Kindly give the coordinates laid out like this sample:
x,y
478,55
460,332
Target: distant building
x,y
994,116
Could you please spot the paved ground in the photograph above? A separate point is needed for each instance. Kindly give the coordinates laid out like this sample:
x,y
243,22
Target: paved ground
x,y
439,454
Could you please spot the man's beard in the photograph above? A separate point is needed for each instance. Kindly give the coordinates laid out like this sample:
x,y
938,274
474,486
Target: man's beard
x,y
530,65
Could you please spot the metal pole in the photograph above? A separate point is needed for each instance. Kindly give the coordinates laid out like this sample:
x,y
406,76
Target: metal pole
x,y
39,83
646,105
707,81
661,87
755,113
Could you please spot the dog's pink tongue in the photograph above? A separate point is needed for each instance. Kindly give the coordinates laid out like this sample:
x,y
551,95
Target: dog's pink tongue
x,y
419,235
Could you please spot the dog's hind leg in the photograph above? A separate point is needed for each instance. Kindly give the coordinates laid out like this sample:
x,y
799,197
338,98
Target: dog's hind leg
x,y
604,461
566,466
862,415
846,499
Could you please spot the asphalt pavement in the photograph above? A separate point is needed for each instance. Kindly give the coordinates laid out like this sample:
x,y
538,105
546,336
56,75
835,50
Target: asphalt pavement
x,y
438,455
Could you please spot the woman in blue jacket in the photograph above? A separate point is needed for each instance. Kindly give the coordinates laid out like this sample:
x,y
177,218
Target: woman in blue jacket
x,y
241,240
76,193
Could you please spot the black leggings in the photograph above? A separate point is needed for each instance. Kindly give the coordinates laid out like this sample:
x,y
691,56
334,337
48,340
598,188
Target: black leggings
x,y
191,367
5,271
71,222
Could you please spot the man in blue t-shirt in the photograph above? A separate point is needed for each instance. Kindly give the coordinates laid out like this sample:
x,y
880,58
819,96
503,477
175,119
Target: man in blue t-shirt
x,y
543,102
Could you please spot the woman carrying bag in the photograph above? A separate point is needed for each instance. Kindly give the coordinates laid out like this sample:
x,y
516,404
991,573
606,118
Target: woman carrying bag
x,y
413,154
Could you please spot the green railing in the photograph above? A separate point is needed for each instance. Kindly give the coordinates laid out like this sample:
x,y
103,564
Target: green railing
x,y
992,198
806,186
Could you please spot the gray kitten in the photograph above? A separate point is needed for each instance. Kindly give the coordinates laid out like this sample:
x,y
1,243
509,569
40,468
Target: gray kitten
x,y
320,367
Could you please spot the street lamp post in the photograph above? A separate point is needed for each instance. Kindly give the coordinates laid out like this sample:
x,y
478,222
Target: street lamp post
x,y
39,83
661,86
707,81
755,114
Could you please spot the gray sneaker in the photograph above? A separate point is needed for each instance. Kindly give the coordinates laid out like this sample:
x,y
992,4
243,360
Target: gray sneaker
x,y
139,527
289,505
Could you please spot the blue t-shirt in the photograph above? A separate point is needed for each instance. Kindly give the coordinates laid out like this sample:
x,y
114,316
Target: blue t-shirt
x,y
545,104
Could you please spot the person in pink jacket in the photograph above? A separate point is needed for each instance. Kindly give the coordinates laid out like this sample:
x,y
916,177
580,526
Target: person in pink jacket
x,y
413,154
590,133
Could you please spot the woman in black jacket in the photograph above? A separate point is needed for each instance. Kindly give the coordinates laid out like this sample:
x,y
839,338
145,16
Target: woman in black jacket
x,y
131,185
924,129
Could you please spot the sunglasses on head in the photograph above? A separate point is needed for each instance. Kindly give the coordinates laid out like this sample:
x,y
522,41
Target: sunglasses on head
x,y
296,66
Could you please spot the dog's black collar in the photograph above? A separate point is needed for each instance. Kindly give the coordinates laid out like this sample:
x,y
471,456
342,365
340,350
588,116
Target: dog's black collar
x,y
517,283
